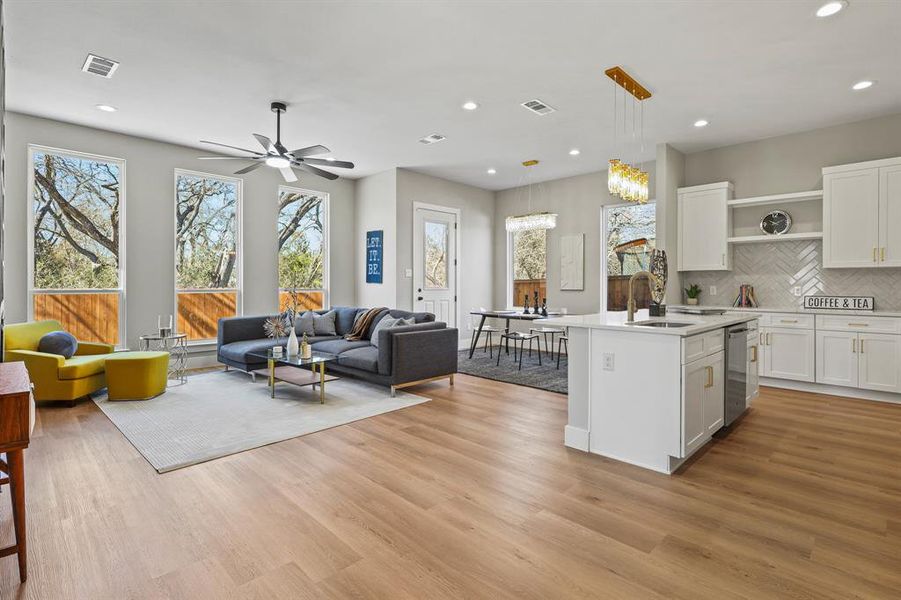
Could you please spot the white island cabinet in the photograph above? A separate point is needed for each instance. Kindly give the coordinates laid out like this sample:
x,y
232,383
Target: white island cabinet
x,y
649,396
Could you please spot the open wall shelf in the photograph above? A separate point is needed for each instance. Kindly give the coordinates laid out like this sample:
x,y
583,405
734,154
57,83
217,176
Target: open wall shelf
x,y
777,199
785,237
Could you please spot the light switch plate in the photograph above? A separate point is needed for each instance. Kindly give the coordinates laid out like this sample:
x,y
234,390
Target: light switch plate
x,y
609,361
796,290
408,273
713,290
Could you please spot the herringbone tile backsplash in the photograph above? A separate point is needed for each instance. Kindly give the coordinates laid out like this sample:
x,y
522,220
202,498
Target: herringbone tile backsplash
x,y
774,269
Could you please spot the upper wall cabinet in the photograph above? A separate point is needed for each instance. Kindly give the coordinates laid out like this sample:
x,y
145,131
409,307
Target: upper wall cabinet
x,y
862,214
705,224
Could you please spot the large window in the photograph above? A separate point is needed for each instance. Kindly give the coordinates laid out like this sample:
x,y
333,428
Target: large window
x,y
77,242
630,233
302,249
528,253
207,252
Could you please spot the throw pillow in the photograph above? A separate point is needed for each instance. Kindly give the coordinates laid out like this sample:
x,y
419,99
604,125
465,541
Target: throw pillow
x,y
58,342
388,322
324,324
312,323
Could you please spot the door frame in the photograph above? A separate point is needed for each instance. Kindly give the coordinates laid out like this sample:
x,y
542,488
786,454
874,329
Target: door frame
x,y
458,292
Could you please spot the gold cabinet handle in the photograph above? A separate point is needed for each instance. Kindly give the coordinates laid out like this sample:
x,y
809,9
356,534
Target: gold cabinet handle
x,y
788,321
882,254
858,324
769,341
874,254
754,359
854,345
861,346
709,377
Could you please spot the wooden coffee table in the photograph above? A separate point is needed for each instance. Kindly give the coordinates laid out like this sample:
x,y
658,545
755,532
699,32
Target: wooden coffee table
x,y
292,369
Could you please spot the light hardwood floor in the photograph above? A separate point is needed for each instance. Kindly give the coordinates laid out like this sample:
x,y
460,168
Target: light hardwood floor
x,y
471,495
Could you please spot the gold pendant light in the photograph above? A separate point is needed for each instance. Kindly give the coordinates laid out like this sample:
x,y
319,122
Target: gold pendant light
x,y
623,179
531,220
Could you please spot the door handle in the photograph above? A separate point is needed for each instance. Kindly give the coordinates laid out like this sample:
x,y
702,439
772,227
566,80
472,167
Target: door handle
x,y
419,297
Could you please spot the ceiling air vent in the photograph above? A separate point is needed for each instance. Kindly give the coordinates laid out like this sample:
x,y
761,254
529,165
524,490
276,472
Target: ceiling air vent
x,y
538,107
432,139
99,66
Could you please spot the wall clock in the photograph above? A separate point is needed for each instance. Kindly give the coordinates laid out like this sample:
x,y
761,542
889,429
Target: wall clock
x,y
776,223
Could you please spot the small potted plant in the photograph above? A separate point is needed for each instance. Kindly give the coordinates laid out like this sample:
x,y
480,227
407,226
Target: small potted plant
x,y
692,293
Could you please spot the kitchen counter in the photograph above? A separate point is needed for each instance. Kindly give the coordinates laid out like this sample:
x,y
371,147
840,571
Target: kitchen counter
x,y
795,310
616,321
649,396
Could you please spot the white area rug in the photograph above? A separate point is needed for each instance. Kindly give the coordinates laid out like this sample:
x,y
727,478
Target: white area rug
x,y
217,414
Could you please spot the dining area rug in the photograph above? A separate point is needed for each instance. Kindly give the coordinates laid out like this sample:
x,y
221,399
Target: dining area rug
x,y
544,377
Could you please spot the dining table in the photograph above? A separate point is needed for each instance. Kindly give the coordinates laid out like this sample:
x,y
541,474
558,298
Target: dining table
x,y
507,315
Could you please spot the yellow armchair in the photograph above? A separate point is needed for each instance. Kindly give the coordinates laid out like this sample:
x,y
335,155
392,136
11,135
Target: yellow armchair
x,y
55,377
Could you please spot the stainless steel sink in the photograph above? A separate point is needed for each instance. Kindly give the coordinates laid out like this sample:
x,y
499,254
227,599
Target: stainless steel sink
x,y
667,324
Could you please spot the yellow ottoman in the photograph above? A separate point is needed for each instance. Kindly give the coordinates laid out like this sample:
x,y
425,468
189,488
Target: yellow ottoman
x,y
136,375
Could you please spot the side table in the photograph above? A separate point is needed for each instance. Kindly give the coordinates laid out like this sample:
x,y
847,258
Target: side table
x,y
176,345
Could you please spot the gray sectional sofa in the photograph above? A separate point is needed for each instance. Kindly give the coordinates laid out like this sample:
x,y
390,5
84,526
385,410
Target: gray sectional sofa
x,y
404,355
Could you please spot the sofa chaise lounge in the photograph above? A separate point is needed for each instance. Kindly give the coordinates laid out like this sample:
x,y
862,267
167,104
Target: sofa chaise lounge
x,y
403,356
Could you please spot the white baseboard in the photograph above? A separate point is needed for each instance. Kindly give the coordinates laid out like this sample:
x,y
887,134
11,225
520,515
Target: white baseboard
x,y
201,361
831,390
575,437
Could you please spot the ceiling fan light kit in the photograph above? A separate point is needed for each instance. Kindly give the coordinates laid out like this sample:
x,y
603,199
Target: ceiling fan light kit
x,y
277,156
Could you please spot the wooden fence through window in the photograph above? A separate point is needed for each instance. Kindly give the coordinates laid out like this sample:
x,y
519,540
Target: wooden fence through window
x,y
89,316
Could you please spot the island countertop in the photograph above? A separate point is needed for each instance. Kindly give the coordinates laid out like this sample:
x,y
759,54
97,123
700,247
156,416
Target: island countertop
x,y
616,321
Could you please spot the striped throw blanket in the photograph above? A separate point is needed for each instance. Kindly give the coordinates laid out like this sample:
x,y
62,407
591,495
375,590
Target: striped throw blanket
x,y
362,324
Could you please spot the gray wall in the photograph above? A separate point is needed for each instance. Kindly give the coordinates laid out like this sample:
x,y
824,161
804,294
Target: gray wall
x,y
578,201
150,214
792,163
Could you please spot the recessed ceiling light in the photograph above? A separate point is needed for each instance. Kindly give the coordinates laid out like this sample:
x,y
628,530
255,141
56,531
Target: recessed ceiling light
x,y
492,171
278,162
107,108
574,152
862,85
470,105
701,123
831,8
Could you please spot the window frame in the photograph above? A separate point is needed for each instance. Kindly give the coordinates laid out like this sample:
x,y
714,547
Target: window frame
x,y
121,290
604,220
326,244
239,248
511,270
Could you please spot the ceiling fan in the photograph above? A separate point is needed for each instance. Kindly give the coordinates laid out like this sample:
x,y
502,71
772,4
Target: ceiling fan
x,y
276,155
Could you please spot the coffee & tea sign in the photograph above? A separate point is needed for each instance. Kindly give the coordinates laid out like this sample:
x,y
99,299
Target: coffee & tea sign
x,y
840,302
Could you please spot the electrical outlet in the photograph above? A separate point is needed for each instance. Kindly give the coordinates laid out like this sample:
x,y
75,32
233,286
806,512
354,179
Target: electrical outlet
x,y
713,290
796,290
608,361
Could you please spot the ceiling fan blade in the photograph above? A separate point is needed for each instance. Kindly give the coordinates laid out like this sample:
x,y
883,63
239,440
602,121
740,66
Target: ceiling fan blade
x,y
250,168
223,157
342,164
280,148
227,146
313,170
310,151
288,174
265,142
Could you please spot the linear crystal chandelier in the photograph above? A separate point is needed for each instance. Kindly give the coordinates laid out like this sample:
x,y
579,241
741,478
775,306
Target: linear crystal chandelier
x,y
531,220
625,180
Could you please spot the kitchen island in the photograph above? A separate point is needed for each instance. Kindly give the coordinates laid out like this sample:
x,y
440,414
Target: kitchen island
x,y
651,392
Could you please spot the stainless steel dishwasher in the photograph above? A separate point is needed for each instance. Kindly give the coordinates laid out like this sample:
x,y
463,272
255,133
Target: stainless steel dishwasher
x,y
737,370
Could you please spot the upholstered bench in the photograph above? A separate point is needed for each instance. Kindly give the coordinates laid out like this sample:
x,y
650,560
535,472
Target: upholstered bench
x,y
136,375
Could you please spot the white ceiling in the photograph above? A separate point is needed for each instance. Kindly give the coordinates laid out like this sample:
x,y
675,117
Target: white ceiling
x,y
368,79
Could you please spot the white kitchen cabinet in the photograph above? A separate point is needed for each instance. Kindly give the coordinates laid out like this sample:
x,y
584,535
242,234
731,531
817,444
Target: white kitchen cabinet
x,y
702,400
752,386
788,353
704,223
837,358
890,216
862,214
879,359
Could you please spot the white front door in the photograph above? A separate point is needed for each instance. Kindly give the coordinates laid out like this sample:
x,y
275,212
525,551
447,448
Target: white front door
x,y
435,264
